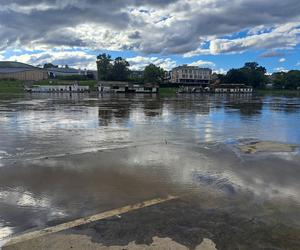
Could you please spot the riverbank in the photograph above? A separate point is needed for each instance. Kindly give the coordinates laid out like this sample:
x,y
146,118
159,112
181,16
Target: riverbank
x,y
168,91
190,222
15,86
11,86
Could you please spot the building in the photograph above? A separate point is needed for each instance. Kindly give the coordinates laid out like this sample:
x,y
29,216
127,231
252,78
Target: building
x,y
137,74
21,71
72,88
70,72
191,75
232,88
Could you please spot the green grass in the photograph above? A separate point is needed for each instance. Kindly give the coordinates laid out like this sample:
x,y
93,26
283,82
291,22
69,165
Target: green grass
x,y
7,86
11,86
168,91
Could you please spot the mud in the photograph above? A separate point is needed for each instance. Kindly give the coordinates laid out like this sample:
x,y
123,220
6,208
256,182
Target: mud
x,y
79,242
267,146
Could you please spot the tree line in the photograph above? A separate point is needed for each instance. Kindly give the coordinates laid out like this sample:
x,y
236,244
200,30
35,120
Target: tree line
x,y
254,75
118,70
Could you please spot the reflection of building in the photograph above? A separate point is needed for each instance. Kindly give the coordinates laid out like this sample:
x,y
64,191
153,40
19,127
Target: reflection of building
x,y
126,87
191,75
21,71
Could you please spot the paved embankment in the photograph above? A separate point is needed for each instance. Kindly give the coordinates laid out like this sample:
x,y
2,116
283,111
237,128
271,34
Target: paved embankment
x,y
162,224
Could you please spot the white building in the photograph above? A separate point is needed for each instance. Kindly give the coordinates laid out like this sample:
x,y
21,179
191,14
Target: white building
x,y
74,88
191,75
69,72
233,88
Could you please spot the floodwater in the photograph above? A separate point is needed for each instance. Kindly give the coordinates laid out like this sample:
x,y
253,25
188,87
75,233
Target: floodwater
x,y
68,156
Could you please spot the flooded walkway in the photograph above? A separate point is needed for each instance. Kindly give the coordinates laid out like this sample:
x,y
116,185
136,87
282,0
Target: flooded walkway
x,y
232,160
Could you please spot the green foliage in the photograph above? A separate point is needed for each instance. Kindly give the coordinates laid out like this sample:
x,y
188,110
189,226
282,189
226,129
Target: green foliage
x,y
235,76
153,74
120,70
109,70
50,65
286,80
104,67
168,91
251,74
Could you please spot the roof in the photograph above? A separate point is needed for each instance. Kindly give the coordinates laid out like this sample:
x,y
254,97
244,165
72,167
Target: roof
x,y
7,67
16,70
190,67
9,64
233,85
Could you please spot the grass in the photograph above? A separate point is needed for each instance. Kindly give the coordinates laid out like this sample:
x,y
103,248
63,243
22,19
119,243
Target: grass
x,y
7,86
15,86
168,91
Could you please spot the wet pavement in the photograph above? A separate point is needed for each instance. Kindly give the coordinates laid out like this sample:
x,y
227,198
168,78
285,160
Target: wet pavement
x,y
64,157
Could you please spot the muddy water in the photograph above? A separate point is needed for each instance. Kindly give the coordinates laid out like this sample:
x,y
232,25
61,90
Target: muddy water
x,y
63,157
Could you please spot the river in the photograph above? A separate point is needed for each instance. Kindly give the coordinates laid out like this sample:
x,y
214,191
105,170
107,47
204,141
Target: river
x,y
67,156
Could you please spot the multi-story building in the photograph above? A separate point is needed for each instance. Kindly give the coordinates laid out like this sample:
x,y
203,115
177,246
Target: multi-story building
x,y
191,75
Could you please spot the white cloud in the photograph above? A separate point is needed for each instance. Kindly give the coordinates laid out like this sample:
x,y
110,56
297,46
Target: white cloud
x,y
282,60
167,26
78,59
201,63
285,36
82,59
220,71
140,62
280,69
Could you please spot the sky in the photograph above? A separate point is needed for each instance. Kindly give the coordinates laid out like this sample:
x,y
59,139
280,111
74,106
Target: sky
x,y
219,34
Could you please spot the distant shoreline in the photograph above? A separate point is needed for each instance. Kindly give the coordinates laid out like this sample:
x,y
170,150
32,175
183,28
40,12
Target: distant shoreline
x,y
17,87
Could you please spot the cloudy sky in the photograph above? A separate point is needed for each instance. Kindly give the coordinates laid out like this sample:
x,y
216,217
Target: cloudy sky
x,y
220,34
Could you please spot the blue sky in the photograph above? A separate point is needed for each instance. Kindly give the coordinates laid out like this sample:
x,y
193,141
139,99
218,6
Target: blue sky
x,y
208,33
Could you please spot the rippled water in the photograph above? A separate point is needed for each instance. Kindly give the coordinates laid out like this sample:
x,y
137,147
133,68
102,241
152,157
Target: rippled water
x,y
65,156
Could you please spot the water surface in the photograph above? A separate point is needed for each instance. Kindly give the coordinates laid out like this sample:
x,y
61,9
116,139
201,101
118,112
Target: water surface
x,y
67,156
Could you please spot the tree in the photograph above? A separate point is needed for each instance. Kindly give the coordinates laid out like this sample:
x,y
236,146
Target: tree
x,y
279,80
251,74
286,80
235,76
153,74
104,67
255,75
120,70
50,65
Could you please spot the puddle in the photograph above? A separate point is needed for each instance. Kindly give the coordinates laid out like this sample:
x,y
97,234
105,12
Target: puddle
x,y
267,147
